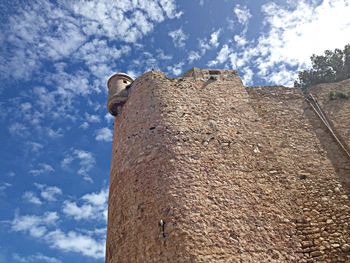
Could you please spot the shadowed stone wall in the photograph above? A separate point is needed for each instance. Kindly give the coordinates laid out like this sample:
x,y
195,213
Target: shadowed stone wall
x,y
235,174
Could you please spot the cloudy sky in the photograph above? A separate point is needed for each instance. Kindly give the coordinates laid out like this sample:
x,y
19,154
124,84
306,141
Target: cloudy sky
x,y
55,58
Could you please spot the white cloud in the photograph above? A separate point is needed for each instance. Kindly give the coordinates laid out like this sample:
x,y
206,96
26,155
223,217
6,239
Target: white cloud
x,y
161,56
109,118
243,14
48,105
86,162
133,74
18,129
282,76
92,118
193,56
44,98
84,125
25,106
222,56
67,161
147,61
45,229
78,212
52,31
52,104
42,169
51,133
290,37
295,35
66,39
36,226
176,69
58,31
240,40
49,193
212,42
99,232
35,146
169,8
30,197
233,58
123,20
214,38
204,44
100,57
11,174
76,242
38,257
104,134
3,187
179,37
93,207
98,199
69,85
247,76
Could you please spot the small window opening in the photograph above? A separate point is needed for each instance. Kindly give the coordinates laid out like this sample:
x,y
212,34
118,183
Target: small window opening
x,y
214,72
303,177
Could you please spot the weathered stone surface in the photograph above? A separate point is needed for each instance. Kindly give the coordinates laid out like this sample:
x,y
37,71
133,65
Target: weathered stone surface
x,y
234,174
346,248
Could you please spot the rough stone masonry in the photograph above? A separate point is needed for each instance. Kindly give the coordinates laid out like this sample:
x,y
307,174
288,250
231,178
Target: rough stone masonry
x,y
207,170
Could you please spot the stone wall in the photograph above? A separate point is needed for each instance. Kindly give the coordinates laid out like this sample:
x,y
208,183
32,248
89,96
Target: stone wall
x,y
338,112
313,182
337,109
235,174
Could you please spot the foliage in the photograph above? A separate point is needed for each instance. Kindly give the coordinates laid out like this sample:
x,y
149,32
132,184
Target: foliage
x,y
342,95
332,95
338,94
333,66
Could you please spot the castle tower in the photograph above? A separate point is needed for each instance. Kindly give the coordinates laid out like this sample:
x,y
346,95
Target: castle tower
x,y
206,170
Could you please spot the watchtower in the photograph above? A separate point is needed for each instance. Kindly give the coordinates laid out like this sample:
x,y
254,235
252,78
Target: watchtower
x,y
118,85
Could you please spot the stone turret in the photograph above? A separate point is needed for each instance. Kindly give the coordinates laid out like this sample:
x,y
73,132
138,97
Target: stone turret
x,y
118,85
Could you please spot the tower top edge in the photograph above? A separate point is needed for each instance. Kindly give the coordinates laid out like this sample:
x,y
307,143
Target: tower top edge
x,y
209,73
120,75
194,69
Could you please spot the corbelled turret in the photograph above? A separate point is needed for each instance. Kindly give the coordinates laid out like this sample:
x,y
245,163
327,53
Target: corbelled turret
x,y
118,85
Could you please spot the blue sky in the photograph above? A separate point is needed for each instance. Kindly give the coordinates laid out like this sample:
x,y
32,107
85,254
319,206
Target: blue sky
x,y
55,59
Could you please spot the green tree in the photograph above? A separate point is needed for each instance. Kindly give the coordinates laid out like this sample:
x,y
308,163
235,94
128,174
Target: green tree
x,y
347,60
333,66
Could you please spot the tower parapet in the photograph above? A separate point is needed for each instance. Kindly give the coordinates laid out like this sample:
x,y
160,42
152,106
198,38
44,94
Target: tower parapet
x,y
118,91
212,74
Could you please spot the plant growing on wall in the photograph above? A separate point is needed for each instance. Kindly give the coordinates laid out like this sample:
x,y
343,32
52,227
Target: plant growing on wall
x,y
333,95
